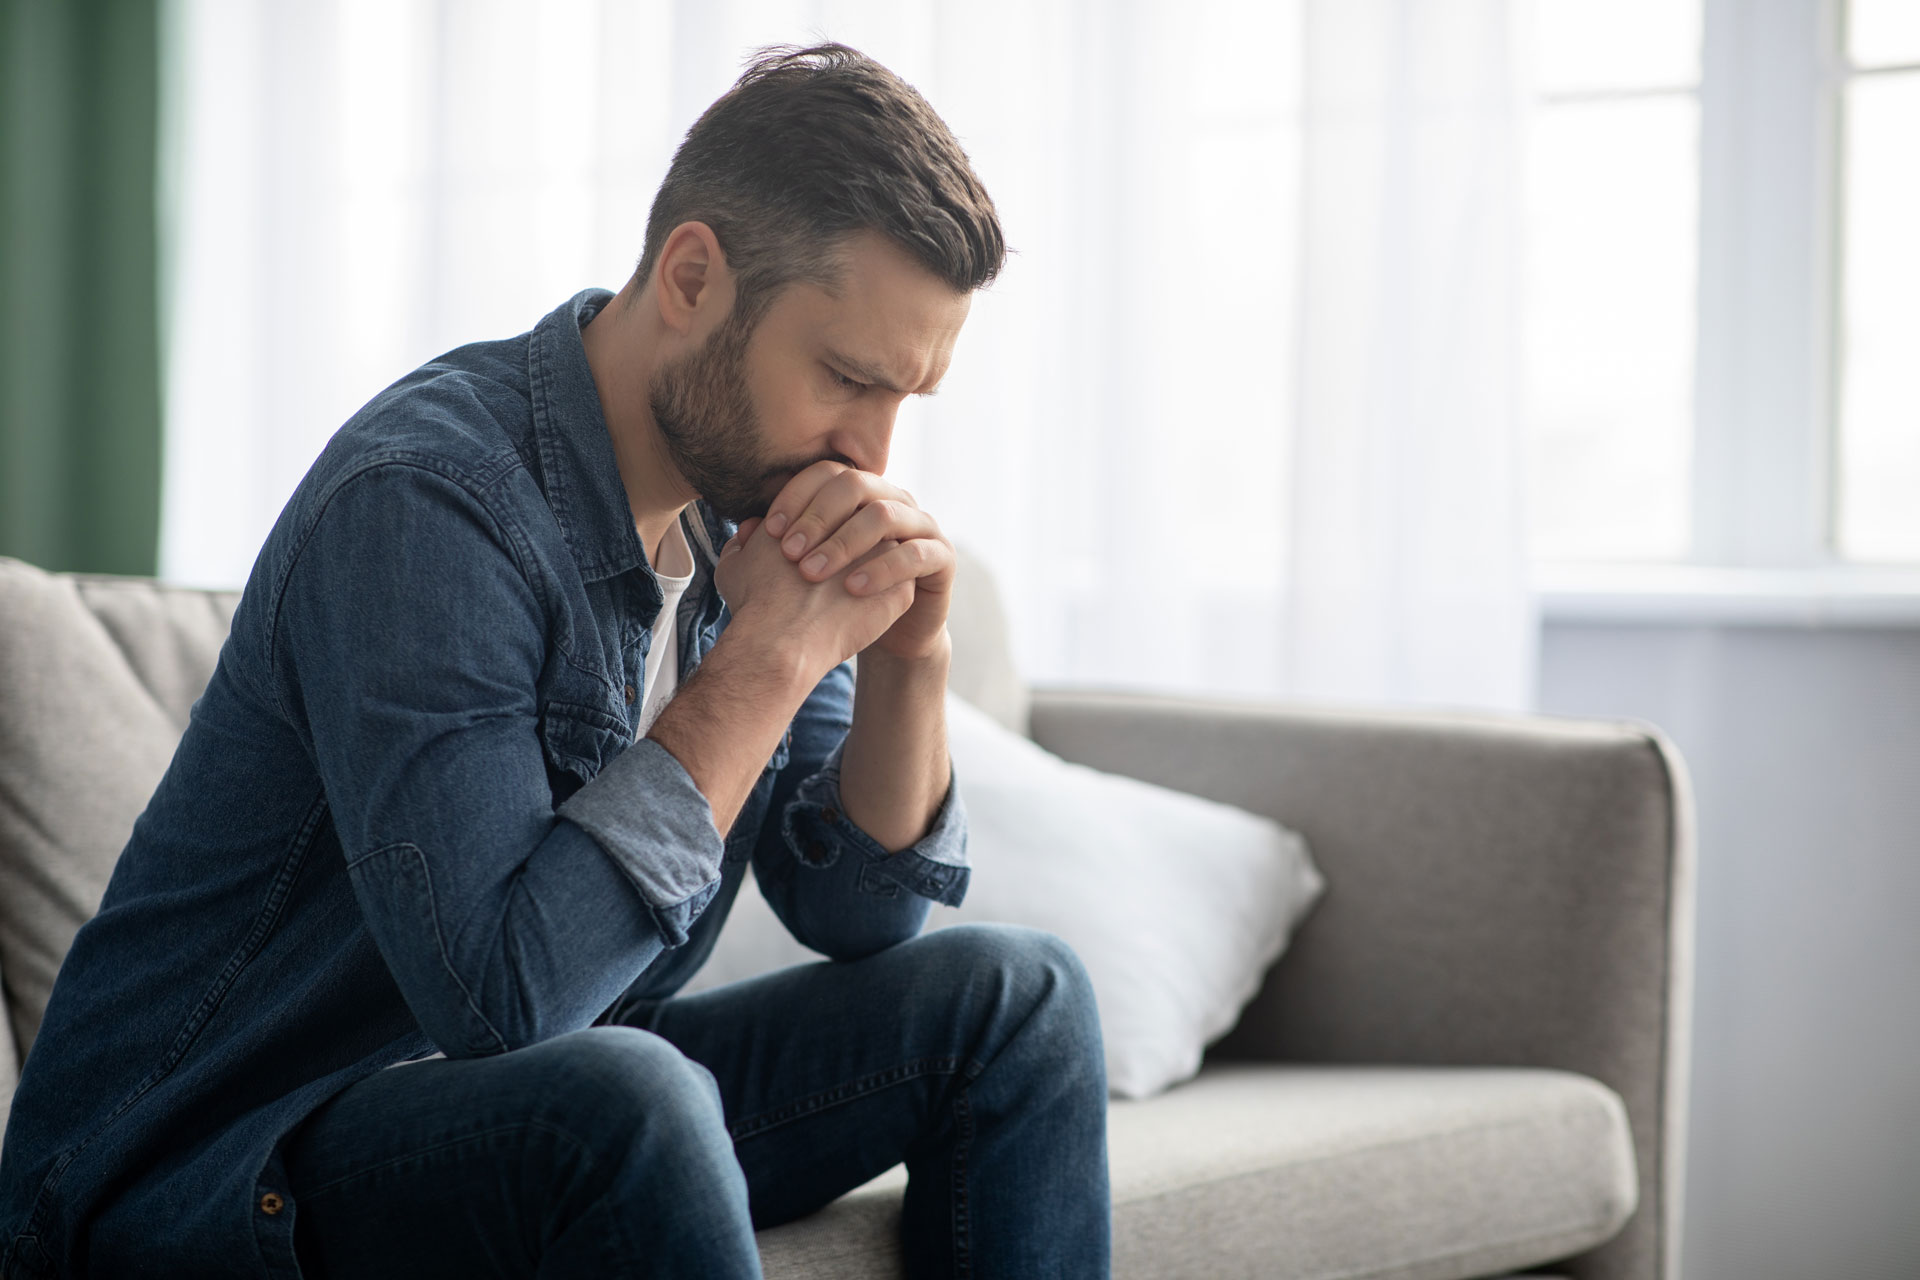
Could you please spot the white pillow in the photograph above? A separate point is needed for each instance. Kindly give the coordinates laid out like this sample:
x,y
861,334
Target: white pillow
x,y
1175,904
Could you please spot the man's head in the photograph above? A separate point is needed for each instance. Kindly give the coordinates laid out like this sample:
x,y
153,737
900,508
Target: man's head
x,y
812,253
809,147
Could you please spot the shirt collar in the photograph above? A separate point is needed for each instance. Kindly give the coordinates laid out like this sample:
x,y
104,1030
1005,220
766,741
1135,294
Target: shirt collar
x,y
579,473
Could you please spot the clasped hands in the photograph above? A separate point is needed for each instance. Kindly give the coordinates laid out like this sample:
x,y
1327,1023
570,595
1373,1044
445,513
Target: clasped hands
x,y
843,562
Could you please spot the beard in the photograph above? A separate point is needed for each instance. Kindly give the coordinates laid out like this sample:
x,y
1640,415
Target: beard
x,y
712,434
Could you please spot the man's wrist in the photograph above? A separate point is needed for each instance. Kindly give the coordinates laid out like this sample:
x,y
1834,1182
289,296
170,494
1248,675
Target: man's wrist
x,y
894,769
768,659
933,664
726,721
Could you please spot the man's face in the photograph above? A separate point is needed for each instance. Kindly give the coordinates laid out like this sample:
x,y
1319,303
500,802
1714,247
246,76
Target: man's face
x,y
819,377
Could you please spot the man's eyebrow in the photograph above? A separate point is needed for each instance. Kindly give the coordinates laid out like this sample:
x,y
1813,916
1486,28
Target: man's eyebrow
x,y
867,373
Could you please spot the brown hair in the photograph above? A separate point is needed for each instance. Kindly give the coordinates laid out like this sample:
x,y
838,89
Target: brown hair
x,y
808,147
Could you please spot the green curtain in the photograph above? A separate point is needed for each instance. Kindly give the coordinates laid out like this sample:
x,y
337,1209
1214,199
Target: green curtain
x,y
79,246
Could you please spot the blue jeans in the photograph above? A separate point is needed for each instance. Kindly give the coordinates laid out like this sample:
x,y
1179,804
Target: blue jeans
x,y
656,1144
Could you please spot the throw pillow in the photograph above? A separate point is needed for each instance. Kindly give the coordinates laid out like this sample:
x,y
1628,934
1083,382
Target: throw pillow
x,y
1177,905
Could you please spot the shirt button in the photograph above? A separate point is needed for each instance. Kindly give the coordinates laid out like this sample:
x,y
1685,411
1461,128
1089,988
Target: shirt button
x,y
831,814
271,1203
816,851
630,695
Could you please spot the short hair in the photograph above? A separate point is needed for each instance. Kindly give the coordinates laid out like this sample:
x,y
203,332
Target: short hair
x,y
808,147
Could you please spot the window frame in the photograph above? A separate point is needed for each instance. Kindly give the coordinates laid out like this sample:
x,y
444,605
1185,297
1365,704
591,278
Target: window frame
x,y
1766,427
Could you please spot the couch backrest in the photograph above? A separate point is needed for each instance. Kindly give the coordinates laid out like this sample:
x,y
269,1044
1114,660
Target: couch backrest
x,y
97,676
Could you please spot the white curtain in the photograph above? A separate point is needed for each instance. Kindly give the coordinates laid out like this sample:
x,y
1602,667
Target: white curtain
x,y
1239,416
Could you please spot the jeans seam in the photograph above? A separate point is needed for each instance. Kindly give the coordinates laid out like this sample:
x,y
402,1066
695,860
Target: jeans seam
x,y
962,1224
521,1126
755,1125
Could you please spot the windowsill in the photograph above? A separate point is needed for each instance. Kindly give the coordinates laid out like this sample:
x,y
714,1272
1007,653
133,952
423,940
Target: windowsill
x,y
1827,596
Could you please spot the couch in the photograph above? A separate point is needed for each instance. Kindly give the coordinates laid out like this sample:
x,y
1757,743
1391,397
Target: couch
x,y
1470,1061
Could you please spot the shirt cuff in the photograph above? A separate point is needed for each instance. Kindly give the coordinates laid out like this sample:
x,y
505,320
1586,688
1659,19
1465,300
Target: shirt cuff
x,y
645,812
818,832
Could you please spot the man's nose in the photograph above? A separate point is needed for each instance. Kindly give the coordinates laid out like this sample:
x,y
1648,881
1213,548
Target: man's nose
x,y
868,439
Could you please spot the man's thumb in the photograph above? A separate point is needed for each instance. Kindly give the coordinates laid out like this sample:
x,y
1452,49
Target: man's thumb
x,y
741,534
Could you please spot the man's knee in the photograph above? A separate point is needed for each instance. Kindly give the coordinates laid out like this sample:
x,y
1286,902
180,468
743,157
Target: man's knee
x,y
613,1087
1028,957
1023,976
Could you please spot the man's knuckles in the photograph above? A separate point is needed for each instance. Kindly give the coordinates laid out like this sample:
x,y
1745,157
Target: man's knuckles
x,y
847,496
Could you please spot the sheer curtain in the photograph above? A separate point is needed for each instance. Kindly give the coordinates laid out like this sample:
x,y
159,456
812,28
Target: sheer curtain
x,y
1239,416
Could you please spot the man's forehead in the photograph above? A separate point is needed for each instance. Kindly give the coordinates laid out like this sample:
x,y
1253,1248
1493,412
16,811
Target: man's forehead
x,y
889,322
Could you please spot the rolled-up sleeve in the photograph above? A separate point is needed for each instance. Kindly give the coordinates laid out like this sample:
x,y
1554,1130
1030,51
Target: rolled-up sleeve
x,y
836,888
407,648
666,844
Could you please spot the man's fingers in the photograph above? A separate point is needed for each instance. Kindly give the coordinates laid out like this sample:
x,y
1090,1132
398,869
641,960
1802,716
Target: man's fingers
x,y
870,525
740,536
798,492
875,552
829,508
918,560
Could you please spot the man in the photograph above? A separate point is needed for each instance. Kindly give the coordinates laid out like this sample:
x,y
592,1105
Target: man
x,y
384,981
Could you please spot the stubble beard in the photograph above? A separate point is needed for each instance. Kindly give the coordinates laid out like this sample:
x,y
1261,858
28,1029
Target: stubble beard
x,y
707,422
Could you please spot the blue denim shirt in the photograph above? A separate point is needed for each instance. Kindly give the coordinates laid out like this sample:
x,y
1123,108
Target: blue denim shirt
x,y
409,814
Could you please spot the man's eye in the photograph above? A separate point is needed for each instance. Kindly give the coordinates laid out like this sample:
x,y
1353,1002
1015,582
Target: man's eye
x,y
844,380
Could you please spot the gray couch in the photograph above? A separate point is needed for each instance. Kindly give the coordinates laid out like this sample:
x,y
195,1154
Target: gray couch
x,y
1471,1060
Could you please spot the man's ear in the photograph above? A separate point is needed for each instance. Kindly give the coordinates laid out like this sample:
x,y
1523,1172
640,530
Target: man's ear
x,y
693,286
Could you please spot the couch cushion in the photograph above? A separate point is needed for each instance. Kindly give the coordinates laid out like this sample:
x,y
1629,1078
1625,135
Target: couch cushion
x,y
983,672
1293,1173
96,678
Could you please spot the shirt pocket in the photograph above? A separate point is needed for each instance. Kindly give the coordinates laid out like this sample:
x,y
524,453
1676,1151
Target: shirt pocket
x,y
583,727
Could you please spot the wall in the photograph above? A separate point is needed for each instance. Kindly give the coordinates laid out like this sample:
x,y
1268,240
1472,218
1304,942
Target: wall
x,y
1804,746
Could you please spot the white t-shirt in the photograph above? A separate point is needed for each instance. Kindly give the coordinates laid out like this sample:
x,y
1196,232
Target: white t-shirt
x,y
673,566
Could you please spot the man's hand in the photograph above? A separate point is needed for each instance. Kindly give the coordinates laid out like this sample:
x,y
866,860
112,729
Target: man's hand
x,y
834,520
787,633
820,622
862,570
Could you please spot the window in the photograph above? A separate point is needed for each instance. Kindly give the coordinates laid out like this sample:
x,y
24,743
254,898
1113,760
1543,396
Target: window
x,y
1879,348
1611,200
1722,283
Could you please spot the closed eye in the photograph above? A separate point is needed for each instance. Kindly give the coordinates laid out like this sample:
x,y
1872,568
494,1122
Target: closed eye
x,y
843,380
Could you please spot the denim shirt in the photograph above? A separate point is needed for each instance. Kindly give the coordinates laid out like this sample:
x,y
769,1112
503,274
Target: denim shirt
x,y
409,814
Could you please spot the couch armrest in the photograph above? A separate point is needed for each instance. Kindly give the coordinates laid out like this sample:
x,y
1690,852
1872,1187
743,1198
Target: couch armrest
x,y
1501,890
